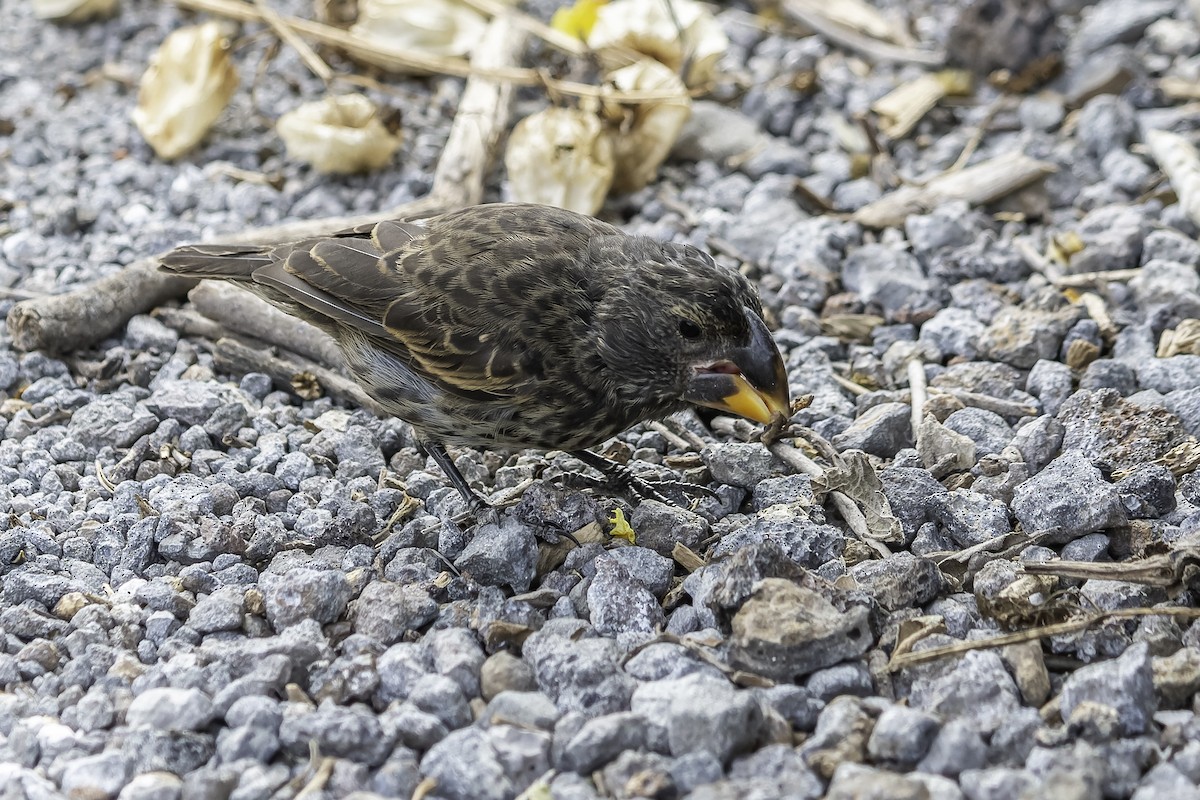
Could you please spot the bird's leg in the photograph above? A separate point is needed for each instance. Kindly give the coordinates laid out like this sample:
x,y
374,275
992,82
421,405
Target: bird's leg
x,y
477,507
617,477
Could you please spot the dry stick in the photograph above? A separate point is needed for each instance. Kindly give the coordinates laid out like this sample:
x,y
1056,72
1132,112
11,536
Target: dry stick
x,y
1180,162
284,31
846,507
241,312
912,659
414,62
978,184
918,392
83,317
239,357
809,13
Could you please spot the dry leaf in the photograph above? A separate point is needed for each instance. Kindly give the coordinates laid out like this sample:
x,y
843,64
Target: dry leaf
x,y
561,157
186,87
647,131
339,134
681,34
73,10
440,27
854,476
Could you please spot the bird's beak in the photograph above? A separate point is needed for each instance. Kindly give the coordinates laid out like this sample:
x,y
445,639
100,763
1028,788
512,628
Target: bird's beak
x,y
749,382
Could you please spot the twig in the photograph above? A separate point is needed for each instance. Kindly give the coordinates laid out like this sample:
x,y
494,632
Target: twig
x,y
809,13
846,507
86,315
980,184
238,357
551,36
285,32
978,133
241,312
423,63
912,659
1179,161
919,392
1083,279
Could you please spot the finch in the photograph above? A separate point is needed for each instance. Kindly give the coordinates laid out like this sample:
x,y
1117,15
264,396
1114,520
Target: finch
x,y
518,325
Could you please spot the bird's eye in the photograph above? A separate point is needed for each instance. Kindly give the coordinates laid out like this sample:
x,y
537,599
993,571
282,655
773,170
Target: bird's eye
x,y
689,329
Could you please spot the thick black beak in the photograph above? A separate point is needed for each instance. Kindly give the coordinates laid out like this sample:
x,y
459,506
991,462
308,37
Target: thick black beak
x,y
749,381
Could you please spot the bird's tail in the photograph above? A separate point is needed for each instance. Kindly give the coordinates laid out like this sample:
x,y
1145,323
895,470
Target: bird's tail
x,y
218,261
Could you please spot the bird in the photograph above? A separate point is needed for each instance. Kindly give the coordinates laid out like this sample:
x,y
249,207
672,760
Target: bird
x,y
515,325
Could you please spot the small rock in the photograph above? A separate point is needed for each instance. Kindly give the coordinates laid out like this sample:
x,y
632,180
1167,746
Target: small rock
x,y
170,709
899,581
101,775
501,554
741,464
387,611
619,604
304,593
701,713
1068,499
1125,684
503,672
1148,492
659,526
881,431
784,631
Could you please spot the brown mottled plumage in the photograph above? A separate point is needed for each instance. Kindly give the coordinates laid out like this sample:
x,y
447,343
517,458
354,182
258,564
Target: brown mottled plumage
x,y
519,325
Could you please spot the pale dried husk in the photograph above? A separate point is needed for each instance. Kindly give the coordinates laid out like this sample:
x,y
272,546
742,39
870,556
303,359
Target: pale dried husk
x,y
560,157
646,132
73,10
186,87
437,27
648,27
340,134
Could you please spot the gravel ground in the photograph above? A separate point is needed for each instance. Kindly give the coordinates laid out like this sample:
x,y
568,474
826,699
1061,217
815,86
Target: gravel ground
x,y
246,606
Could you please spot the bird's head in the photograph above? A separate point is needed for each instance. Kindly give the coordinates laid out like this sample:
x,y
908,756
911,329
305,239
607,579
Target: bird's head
x,y
677,328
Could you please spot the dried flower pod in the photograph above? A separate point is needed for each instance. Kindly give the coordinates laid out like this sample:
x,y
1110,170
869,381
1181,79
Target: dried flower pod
x,y
561,157
73,10
683,34
646,132
186,87
339,134
440,27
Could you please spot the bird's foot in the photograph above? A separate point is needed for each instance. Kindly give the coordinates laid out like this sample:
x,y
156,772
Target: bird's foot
x,y
479,514
619,480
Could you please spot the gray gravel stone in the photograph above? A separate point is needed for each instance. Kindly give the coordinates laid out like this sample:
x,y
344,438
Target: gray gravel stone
x,y
171,709
152,786
1112,237
968,517
501,554
100,775
1067,499
899,581
741,464
467,767
659,526
302,594
1125,684
387,611
701,713
902,735
881,431
986,429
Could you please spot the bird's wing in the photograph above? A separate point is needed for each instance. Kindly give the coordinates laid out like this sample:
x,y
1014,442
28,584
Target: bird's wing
x,y
444,298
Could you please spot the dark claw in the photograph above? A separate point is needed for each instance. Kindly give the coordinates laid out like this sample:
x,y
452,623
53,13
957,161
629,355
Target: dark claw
x,y
619,480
